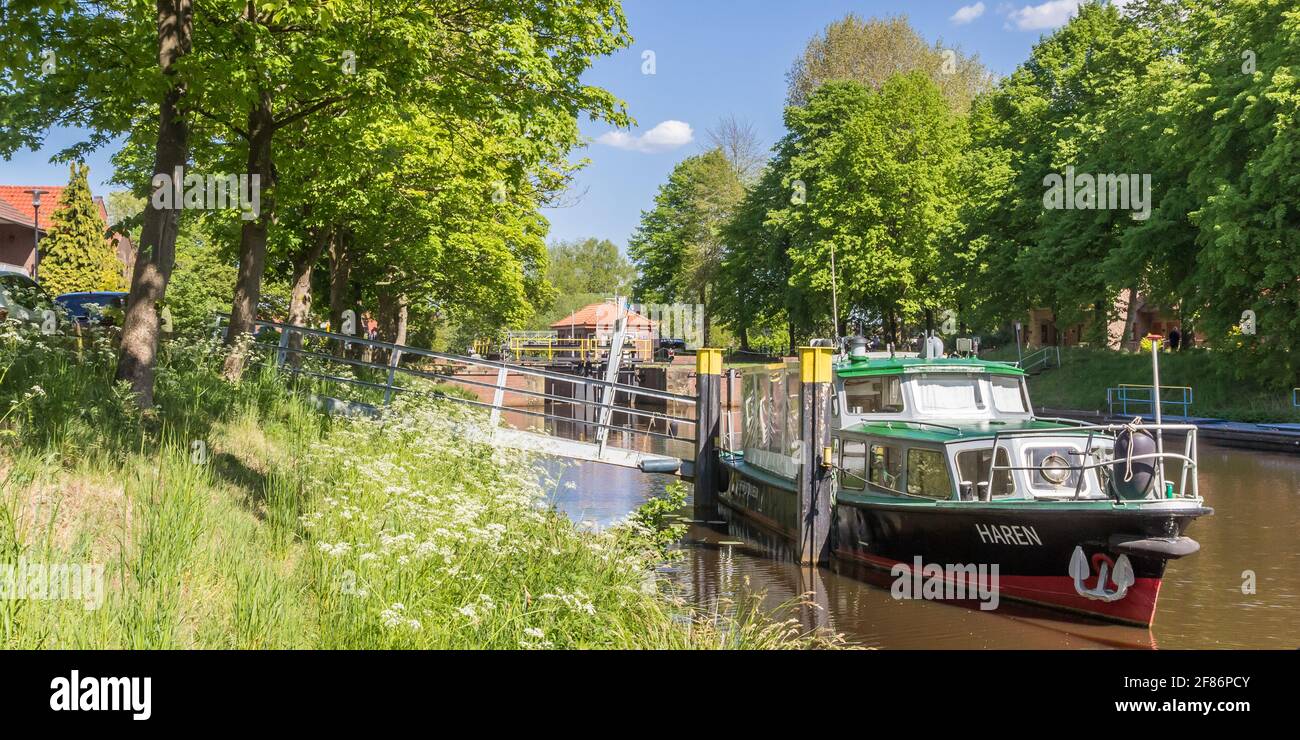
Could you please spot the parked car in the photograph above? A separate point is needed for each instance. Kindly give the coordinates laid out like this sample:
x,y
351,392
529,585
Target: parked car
x,y
21,298
677,345
97,308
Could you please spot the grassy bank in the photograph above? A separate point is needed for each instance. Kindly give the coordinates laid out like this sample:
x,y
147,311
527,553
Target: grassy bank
x,y
236,516
1081,382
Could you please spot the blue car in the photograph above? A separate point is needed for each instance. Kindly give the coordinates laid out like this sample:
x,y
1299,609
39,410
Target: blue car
x,y
93,307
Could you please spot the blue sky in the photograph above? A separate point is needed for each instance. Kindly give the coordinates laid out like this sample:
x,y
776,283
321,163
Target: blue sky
x,y
716,58
713,58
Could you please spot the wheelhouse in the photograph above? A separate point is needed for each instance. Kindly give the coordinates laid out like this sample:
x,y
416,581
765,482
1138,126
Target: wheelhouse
x,y
959,429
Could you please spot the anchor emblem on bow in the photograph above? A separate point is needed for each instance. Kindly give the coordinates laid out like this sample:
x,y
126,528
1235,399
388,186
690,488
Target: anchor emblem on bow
x,y
1080,571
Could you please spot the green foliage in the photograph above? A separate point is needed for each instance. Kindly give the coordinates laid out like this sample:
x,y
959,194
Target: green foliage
x,y
661,515
1202,97
678,247
202,284
588,266
289,529
426,137
874,175
871,51
75,254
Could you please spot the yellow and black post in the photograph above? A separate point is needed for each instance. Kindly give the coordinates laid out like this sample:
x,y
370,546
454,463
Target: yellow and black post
x,y
708,416
816,479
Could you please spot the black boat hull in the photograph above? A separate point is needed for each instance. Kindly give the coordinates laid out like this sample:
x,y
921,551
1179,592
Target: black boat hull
x,y
1032,544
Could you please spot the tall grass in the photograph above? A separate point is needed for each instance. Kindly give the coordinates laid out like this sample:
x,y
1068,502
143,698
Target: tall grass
x,y
237,516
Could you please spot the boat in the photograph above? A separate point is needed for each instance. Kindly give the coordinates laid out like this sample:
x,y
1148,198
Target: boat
x,y
943,475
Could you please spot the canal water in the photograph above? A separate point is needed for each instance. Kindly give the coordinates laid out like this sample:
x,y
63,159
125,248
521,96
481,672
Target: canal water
x,y
1255,529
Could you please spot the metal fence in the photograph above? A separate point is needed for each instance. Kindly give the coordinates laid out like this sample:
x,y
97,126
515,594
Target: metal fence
x,y
381,370
1140,399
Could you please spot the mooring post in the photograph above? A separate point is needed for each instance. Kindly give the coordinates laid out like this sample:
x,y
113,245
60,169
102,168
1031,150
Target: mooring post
x,y
816,479
708,402
284,346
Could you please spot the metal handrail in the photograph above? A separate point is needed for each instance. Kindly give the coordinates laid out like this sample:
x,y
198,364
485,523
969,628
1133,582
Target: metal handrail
x,y
1189,457
889,424
429,375
1121,393
1029,362
1062,420
462,360
393,366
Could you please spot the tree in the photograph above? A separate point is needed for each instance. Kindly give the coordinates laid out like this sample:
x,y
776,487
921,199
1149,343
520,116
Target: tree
x,y
1079,104
872,51
678,246
77,256
588,266
739,143
105,67
507,61
880,171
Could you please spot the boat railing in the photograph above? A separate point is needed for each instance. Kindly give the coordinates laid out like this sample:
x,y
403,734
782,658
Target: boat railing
x,y
948,427
1063,420
1187,459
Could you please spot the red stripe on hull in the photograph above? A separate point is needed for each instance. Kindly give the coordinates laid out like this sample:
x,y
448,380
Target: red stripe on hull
x,y
1138,607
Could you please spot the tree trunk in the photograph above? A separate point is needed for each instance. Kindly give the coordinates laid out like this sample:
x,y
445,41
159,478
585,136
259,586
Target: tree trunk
x,y
300,298
1130,319
340,276
252,238
156,255
708,324
392,317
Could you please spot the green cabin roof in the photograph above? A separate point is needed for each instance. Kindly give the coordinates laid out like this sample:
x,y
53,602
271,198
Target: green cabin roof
x,y
956,431
862,367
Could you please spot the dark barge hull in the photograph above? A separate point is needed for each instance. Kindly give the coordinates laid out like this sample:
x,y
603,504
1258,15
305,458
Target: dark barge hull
x,y
1031,543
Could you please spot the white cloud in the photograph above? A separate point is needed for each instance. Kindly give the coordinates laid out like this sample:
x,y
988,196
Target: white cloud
x,y
664,137
967,13
1050,14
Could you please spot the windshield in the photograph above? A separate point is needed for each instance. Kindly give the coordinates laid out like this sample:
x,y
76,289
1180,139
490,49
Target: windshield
x,y
950,395
1007,395
23,291
958,396
881,394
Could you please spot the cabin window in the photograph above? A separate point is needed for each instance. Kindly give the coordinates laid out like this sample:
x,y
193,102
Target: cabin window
x,y
927,474
949,394
974,466
883,394
886,467
1008,396
853,462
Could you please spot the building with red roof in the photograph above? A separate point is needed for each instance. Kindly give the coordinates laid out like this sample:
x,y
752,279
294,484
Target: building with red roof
x,y
596,321
16,217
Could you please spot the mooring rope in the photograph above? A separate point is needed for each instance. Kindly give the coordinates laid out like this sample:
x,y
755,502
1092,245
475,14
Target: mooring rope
x,y
1132,428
